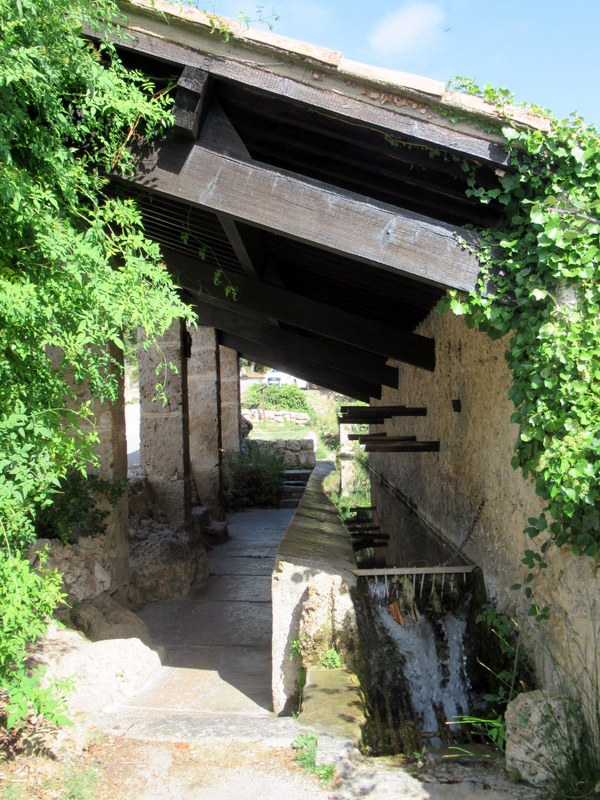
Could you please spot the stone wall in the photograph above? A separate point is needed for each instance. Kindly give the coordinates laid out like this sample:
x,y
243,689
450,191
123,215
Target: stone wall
x,y
443,491
295,417
87,566
293,453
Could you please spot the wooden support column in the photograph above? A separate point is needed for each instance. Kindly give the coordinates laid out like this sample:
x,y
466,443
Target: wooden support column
x,y
164,449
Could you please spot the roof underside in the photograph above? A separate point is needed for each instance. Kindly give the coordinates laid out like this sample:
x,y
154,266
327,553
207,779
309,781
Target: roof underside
x,y
331,211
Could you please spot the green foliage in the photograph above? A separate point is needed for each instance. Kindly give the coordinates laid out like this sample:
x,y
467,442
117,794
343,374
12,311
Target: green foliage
x,y
75,268
276,398
305,746
295,649
332,660
79,507
254,477
27,599
540,285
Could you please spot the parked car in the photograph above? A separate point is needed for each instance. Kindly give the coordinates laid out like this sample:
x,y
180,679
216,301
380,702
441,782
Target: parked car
x,y
275,377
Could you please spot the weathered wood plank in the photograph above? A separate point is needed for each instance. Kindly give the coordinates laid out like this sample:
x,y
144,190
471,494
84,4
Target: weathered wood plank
x,y
333,97
324,352
389,411
190,101
311,315
391,571
312,212
355,437
363,420
402,447
323,376
377,437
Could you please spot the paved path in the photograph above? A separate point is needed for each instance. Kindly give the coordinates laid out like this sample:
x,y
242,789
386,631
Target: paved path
x,y
216,674
213,694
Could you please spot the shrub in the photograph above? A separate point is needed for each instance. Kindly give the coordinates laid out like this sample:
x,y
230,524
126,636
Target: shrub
x,y
27,599
254,477
79,508
276,398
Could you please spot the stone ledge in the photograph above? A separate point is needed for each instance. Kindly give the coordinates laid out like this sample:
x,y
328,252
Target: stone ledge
x,y
332,703
311,591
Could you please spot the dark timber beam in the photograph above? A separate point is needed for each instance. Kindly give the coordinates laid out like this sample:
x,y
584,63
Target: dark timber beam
x,y
310,211
323,376
324,352
310,315
152,36
190,101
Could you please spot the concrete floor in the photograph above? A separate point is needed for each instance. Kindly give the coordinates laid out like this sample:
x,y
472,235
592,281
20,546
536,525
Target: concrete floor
x,y
217,663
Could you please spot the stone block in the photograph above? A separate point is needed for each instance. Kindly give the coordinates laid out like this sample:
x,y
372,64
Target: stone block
x,y
332,702
311,591
536,735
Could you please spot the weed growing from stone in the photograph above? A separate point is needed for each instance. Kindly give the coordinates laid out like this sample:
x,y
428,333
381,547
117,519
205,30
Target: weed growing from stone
x,y
305,746
332,660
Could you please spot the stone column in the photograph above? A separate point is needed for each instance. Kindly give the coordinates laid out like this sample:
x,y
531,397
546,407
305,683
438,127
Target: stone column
x,y
105,558
112,455
164,441
205,425
229,373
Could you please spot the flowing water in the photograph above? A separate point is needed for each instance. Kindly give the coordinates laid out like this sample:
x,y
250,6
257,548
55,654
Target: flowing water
x,y
417,661
434,667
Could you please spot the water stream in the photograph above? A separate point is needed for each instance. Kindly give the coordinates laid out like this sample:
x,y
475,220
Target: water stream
x,y
436,681
417,662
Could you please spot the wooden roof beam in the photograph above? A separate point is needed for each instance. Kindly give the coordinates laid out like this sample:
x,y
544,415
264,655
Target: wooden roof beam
x,y
323,352
312,212
323,376
155,38
308,314
190,101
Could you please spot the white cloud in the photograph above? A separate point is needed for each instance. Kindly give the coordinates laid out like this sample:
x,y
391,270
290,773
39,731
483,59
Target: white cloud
x,y
413,27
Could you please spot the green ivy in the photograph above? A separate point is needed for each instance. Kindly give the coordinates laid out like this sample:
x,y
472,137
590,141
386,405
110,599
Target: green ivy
x,y
539,287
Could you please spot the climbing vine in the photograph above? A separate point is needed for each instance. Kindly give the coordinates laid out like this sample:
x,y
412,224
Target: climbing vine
x,y
540,286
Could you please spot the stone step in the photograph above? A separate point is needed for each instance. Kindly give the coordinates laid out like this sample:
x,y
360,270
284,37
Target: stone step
x,y
198,727
289,502
297,475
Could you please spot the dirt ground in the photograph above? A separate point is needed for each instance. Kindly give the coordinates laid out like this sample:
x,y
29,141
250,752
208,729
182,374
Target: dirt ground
x,y
123,769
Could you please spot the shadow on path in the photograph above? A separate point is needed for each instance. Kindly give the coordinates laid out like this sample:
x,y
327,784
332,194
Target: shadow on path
x,y
218,642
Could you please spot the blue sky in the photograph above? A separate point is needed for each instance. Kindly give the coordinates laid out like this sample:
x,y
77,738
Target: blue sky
x,y
547,52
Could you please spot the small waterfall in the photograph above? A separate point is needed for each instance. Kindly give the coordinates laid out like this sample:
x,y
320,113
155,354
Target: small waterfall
x,y
418,667
436,680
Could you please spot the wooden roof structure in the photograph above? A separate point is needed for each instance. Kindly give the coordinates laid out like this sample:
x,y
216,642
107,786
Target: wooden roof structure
x,y
331,195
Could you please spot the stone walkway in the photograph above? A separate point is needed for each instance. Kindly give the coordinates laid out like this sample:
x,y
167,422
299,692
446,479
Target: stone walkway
x,y
214,692
216,675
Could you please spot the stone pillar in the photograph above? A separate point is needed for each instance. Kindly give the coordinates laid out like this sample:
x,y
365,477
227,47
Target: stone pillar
x,y
229,373
104,559
112,454
164,447
205,424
